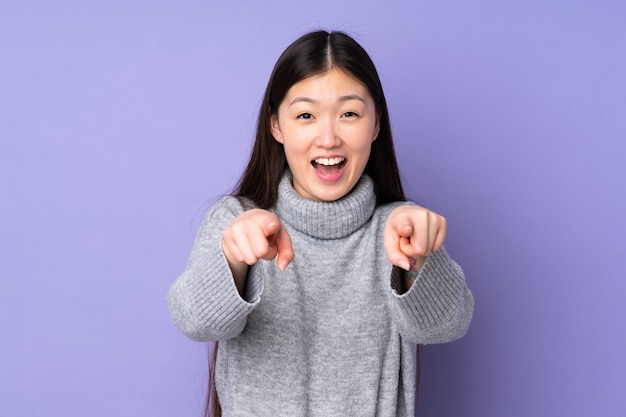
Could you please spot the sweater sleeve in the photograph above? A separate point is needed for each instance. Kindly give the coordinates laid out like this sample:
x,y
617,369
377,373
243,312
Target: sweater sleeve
x,y
204,302
438,307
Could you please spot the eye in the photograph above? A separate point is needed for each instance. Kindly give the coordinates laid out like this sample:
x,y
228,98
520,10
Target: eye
x,y
349,114
305,116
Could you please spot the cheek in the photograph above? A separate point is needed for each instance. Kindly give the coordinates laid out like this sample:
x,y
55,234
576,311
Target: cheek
x,y
364,146
295,154
296,140
364,157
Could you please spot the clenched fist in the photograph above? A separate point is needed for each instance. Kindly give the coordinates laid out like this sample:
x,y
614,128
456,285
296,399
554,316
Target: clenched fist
x,y
255,234
411,233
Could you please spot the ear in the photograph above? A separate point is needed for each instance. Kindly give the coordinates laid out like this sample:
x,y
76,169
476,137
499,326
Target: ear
x,y
275,128
376,128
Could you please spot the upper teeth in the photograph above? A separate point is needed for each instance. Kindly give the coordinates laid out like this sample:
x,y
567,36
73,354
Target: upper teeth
x,y
329,161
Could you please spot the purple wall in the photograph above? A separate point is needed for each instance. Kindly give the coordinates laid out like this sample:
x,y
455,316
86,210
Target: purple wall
x,y
120,123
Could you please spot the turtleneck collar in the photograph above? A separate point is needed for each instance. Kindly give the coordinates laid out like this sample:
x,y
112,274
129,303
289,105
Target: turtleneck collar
x,y
326,220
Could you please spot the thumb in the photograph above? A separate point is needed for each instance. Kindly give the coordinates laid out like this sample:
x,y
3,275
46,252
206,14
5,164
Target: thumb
x,y
281,240
394,239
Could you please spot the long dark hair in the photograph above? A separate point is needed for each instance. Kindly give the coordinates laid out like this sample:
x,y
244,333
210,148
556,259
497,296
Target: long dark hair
x,y
312,54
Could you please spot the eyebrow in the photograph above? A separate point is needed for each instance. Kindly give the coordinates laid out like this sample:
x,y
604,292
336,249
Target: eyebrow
x,y
341,99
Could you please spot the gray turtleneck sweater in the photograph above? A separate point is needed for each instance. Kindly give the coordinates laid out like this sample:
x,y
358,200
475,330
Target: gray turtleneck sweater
x,y
332,335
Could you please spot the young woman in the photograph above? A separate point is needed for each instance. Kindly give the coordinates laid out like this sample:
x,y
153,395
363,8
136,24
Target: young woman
x,y
317,277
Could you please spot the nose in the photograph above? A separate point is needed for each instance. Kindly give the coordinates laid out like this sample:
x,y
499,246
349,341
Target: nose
x,y
328,136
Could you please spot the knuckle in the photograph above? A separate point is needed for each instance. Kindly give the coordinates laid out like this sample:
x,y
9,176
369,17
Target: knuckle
x,y
419,248
260,251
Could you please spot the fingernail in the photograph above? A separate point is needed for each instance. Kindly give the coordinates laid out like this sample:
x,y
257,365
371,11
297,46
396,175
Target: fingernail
x,y
404,265
282,265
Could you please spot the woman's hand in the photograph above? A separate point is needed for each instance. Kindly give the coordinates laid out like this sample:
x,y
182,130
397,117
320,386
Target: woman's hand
x,y
411,233
255,234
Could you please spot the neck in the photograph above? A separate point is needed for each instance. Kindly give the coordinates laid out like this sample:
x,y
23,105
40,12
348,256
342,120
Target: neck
x,y
326,219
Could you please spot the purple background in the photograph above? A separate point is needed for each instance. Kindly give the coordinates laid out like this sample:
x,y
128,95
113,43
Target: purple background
x,y
121,122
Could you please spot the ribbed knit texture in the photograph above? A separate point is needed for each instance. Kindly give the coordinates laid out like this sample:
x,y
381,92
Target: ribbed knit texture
x,y
326,220
329,336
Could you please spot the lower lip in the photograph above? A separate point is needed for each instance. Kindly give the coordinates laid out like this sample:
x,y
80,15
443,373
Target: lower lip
x,y
330,178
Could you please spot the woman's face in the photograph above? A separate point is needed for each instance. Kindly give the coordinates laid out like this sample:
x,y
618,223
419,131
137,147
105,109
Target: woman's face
x,y
327,124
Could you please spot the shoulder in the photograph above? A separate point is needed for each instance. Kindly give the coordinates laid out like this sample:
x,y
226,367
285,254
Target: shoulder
x,y
384,209
232,203
225,210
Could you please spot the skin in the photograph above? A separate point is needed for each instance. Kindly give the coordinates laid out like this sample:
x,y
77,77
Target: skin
x,y
330,115
326,116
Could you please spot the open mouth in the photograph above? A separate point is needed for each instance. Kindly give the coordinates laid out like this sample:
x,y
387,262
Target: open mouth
x,y
328,166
